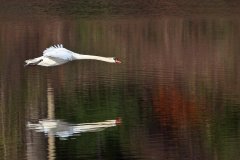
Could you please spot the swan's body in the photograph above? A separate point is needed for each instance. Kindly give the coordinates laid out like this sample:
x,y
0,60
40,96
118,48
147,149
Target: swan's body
x,y
57,55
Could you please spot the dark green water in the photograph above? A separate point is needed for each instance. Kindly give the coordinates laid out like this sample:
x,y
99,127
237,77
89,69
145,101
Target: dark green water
x,y
177,90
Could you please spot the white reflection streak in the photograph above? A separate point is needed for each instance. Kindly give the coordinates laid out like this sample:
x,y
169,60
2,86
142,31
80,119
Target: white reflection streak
x,y
51,115
57,128
62,129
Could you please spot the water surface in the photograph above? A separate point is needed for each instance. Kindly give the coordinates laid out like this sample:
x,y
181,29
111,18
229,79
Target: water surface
x,y
177,90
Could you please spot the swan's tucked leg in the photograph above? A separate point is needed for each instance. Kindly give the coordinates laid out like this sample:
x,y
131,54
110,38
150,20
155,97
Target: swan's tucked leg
x,y
33,62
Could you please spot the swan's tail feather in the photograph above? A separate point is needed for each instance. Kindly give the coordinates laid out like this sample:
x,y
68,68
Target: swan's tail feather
x,y
34,61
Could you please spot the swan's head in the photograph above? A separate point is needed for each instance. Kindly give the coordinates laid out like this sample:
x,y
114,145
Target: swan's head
x,y
116,60
118,121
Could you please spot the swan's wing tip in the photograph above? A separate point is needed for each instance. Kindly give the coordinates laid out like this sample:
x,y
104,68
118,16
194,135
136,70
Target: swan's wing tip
x,y
57,46
52,48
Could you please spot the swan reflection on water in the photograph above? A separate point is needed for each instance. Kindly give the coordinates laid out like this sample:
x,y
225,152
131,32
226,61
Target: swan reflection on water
x,y
63,129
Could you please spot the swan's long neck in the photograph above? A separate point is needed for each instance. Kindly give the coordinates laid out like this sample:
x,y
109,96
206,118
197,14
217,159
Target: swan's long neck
x,y
92,57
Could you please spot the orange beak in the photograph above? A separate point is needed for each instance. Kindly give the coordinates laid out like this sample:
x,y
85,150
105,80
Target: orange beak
x,y
117,61
118,121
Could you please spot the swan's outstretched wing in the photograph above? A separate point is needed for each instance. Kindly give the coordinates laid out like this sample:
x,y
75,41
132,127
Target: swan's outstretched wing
x,y
58,52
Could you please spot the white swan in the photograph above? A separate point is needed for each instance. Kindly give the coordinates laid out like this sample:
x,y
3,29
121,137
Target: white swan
x,y
57,55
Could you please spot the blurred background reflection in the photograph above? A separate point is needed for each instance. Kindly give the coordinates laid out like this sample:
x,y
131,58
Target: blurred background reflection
x,y
177,90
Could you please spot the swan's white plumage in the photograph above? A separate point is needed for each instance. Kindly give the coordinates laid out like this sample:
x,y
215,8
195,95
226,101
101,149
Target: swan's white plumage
x,y
59,52
57,55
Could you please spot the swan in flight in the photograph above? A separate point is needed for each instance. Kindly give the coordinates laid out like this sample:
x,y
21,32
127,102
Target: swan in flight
x,y
57,55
